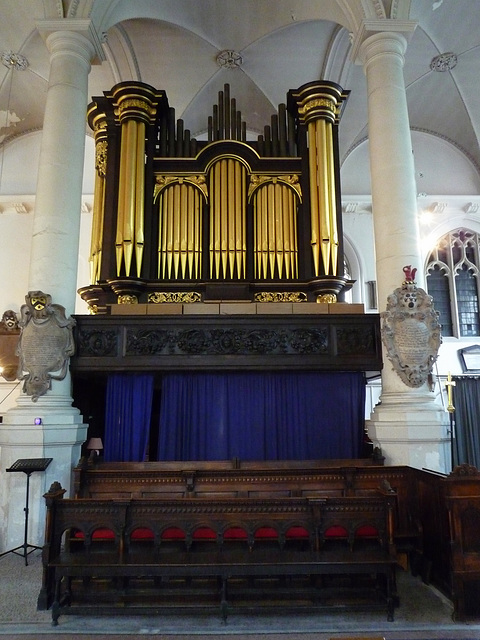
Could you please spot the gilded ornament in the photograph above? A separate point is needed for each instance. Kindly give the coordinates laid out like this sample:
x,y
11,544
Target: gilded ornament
x,y
327,298
317,102
258,180
164,181
127,299
135,103
183,297
280,296
100,126
101,150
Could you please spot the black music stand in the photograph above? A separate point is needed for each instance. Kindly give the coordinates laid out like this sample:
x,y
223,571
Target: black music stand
x,y
27,466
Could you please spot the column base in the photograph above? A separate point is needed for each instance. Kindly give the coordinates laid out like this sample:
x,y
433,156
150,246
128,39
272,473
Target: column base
x,y
59,436
411,431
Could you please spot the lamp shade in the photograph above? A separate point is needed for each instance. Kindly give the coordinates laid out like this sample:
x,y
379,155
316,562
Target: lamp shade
x,y
95,444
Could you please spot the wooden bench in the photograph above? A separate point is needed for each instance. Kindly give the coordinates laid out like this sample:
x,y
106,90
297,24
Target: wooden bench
x,y
147,555
261,479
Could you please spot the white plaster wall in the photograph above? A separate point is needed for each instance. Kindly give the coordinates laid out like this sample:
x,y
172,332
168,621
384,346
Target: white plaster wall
x,y
440,167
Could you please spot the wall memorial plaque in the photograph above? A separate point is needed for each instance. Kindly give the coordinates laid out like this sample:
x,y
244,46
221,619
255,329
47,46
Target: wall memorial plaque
x,y
411,331
9,333
46,343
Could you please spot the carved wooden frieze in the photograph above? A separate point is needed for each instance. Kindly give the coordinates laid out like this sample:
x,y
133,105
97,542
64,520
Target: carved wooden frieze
x,y
326,342
97,343
225,341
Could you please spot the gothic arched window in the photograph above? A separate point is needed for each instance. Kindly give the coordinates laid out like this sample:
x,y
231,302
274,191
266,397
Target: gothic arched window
x,y
453,282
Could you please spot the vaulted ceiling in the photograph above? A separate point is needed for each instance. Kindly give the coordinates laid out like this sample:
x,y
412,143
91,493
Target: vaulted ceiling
x,y
273,45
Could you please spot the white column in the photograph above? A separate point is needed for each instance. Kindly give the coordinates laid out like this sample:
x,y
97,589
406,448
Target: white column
x,y
408,425
53,269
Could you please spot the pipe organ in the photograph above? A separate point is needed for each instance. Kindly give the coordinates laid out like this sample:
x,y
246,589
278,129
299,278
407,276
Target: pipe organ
x,y
217,219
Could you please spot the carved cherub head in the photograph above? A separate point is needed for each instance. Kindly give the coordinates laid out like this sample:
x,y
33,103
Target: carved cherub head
x,y
9,320
38,303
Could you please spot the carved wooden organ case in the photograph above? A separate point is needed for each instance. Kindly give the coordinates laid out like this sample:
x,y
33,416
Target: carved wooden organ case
x,y
180,219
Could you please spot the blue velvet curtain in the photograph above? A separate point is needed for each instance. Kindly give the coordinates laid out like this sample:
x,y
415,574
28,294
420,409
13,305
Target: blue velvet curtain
x,y
466,399
261,416
128,410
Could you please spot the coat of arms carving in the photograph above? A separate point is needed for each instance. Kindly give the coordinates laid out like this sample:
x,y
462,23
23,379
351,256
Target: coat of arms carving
x,y
411,331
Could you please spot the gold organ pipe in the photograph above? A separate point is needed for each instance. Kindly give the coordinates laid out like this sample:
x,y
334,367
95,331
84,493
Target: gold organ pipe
x,y
215,238
122,177
231,214
333,208
324,194
244,219
228,243
224,215
129,215
238,219
198,234
170,231
264,216
161,236
271,226
190,239
180,231
176,217
183,243
314,205
279,235
256,235
97,228
286,240
140,196
294,232
292,222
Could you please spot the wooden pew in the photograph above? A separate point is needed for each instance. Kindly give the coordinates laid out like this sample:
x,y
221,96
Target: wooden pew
x,y
262,479
102,556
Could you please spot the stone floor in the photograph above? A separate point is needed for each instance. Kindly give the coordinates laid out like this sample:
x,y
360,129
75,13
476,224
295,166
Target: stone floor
x,y
423,614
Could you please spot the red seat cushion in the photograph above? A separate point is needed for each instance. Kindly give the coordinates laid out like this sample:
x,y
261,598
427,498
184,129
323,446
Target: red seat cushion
x,y
336,531
266,532
98,534
235,533
142,533
366,531
173,533
297,533
204,533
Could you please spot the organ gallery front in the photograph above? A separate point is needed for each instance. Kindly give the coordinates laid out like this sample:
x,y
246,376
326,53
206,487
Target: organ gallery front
x,y
224,217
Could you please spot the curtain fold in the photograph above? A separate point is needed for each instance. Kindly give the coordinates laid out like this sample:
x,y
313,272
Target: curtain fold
x,y
466,399
261,416
128,411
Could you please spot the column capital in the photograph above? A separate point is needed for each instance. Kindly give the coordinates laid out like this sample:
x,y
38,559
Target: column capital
x,y
80,31
380,30
318,100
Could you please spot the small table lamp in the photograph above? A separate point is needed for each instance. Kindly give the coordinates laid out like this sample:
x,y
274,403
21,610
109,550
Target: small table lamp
x,y
94,445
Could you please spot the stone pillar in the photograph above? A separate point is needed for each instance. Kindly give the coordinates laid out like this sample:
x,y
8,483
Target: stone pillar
x,y
60,431
408,424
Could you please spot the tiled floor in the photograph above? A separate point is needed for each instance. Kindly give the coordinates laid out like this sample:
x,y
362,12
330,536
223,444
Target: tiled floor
x,y
423,614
